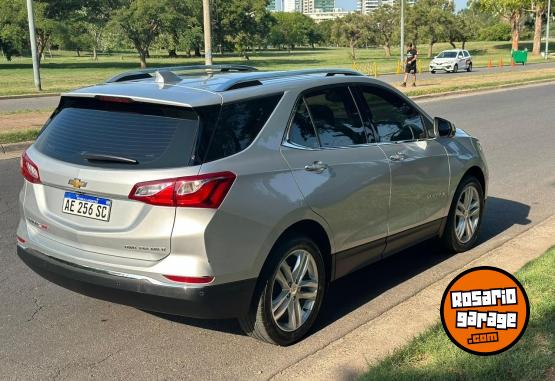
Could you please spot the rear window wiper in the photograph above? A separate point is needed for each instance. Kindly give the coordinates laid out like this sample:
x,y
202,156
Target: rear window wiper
x,y
108,158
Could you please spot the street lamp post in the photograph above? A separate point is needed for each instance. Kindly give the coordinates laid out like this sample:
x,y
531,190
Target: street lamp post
x,y
207,32
547,29
32,36
402,30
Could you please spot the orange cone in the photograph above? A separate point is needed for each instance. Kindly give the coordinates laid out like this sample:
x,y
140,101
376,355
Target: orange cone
x,y
490,64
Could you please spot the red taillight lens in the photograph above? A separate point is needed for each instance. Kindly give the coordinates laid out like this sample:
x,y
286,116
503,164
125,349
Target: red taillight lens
x,y
29,170
203,191
190,279
20,240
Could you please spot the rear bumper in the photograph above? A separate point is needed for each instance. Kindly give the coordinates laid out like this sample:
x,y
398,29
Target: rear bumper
x,y
227,300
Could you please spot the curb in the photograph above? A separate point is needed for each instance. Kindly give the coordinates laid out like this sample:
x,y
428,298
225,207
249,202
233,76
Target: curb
x,y
480,90
349,356
14,147
21,96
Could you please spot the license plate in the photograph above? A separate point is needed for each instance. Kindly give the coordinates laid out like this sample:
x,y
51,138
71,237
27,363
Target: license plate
x,y
87,206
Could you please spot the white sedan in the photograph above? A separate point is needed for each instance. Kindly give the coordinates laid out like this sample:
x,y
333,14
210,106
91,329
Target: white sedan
x,y
451,61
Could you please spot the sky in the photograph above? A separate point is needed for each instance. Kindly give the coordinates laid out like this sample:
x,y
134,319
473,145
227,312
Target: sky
x,y
352,4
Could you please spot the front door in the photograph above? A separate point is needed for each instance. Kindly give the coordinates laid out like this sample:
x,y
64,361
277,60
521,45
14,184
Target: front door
x,y
419,164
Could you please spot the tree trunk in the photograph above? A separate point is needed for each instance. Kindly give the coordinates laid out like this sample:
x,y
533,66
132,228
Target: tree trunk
x,y
537,31
452,43
430,49
172,53
463,44
515,26
95,55
353,52
78,52
197,51
387,49
142,57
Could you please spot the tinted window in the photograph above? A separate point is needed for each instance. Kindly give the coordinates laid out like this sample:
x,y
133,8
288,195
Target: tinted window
x,y
302,131
466,54
153,135
335,117
447,55
239,124
392,117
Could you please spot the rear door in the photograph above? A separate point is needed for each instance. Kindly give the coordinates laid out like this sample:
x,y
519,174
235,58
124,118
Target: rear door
x,y
89,156
341,172
419,164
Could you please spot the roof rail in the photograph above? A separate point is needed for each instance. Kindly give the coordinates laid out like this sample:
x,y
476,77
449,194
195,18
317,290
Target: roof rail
x,y
147,73
254,79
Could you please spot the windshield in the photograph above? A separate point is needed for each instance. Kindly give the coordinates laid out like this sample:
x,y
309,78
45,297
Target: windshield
x,y
447,55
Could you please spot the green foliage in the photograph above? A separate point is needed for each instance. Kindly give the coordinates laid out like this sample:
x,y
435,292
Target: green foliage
x,y
496,32
141,22
13,24
385,23
292,29
354,30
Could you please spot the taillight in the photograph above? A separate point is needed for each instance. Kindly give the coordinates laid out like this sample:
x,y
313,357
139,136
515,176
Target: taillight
x,y
190,279
203,191
29,170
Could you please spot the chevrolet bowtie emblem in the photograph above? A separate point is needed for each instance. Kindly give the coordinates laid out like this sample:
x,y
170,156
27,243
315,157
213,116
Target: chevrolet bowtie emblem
x,y
77,183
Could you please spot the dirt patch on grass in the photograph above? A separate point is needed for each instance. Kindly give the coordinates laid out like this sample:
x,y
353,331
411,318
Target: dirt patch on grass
x,y
23,121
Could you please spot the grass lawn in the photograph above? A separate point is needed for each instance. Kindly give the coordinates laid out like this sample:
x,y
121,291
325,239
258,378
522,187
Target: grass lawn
x,y
65,71
432,356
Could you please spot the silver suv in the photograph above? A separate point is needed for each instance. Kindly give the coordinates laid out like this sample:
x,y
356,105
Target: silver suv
x,y
223,192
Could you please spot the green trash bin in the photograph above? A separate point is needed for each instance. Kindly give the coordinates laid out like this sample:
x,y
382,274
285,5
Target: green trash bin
x,y
520,56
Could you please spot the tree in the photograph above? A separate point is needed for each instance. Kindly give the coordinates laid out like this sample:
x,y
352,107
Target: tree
x,y
431,19
353,30
510,10
141,22
14,37
385,20
540,9
182,26
240,24
292,29
94,16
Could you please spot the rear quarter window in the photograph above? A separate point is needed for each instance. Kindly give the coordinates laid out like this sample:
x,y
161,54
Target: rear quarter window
x,y
238,125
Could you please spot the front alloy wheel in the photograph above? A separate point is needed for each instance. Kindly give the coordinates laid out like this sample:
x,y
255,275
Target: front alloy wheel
x,y
291,290
465,216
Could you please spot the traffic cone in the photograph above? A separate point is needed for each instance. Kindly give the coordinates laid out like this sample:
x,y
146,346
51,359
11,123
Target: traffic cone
x,y
512,62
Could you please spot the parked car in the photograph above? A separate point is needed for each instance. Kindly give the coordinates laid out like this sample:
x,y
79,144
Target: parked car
x,y
452,61
231,193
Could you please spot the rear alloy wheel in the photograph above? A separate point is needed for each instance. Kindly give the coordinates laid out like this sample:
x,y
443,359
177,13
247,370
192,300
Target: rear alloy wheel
x,y
292,295
455,68
469,68
433,71
465,216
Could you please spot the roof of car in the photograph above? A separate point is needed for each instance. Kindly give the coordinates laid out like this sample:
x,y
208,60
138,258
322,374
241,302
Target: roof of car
x,y
199,89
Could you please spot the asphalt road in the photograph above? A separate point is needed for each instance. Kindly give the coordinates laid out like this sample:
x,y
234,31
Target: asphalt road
x,y
47,332
46,103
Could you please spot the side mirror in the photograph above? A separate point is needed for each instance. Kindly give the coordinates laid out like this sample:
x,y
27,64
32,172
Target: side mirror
x,y
444,128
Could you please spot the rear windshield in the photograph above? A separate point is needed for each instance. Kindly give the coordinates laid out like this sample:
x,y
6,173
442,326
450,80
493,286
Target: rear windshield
x,y
151,136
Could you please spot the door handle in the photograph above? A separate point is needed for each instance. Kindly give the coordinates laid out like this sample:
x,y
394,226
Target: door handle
x,y
317,167
399,156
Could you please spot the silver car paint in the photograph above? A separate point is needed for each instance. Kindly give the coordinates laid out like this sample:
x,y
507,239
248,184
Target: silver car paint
x,y
271,193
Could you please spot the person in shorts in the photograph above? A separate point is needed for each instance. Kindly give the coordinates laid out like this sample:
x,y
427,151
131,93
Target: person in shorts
x,y
410,65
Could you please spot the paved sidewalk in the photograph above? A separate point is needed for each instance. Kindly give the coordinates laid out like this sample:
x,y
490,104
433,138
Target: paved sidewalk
x,y
350,356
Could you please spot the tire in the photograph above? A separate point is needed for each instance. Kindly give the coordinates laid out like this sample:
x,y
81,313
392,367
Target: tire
x,y
261,323
433,71
452,239
469,68
455,68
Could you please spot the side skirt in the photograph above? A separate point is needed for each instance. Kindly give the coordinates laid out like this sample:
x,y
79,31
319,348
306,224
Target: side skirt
x,y
347,261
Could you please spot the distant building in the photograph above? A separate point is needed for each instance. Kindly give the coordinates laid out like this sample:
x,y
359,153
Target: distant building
x,y
292,5
272,6
367,6
320,16
311,6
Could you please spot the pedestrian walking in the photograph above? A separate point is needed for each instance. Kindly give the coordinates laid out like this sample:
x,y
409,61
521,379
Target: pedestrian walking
x,y
410,66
